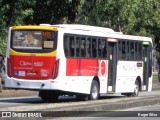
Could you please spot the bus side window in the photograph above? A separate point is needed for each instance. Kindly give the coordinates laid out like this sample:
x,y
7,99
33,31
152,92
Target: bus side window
x,y
124,50
102,48
99,48
132,50
136,51
77,46
83,47
94,48
66,45
69,46
127,50
139,51
88,47
120,50
72,46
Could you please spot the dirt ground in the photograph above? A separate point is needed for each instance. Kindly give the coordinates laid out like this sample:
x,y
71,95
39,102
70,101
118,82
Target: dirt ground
x,y
21,93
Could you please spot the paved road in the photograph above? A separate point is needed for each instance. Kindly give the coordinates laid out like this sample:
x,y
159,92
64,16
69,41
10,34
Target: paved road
x,y
68,105
138,113
33,100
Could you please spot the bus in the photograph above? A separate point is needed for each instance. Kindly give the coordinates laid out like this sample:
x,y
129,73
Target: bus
x,y
80,60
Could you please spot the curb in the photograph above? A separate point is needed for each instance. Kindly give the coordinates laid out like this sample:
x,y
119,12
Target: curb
x,y
118,105
98,106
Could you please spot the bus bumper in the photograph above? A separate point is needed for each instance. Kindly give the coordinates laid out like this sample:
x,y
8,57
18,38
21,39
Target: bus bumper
x,y
27,84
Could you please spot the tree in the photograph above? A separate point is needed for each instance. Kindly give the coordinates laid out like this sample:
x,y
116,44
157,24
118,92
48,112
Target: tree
x,y
136,17
12,13
129,16
55,12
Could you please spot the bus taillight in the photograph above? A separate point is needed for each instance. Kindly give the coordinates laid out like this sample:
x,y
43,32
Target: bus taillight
x,y
8,67
55,69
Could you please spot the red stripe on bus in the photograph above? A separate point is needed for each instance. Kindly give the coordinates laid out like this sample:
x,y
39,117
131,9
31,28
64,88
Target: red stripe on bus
x,y
85,67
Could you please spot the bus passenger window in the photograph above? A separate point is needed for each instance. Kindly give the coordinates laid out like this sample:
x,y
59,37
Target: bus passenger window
x,y
66,46
99,48
136,51
77,47
72,47
102,48
83,47
128,51
139,51
88,47
123,50
132,50
94,48
69,46
120,50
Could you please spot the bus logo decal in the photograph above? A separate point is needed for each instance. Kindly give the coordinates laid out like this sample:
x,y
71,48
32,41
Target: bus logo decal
x,y
23,63
44,73
19,73
32,73
38,64
103,68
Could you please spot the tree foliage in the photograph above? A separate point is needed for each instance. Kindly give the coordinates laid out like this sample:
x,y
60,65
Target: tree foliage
x,y
136,17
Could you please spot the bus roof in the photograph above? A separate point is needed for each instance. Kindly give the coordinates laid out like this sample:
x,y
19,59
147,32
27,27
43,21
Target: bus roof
x,y
85,28
88,28
102,30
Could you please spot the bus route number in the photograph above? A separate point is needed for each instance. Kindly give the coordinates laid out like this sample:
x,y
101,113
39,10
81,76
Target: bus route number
x,y
47,34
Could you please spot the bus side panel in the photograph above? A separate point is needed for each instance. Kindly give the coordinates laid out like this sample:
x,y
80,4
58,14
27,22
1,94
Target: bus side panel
x,y
81,67
127,72
78,70
88,67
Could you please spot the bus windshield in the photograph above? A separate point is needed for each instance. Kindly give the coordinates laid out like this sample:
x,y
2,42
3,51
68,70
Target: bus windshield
x,y
33,40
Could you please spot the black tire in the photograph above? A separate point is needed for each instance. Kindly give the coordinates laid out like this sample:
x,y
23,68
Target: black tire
x,y
82,97
136,91
48,96
94,92
0,87
159,76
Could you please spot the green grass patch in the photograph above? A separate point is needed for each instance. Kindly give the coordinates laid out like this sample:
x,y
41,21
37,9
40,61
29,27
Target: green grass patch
x,y
155,77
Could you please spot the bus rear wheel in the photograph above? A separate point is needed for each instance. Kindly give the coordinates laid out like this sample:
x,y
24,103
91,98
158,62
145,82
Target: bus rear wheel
x,y
94,93
136,90
48,96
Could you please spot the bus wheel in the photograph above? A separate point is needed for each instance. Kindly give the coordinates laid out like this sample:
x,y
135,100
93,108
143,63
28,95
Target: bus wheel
x,y
82,97
0,84
94,93
48,96
136,90
0,87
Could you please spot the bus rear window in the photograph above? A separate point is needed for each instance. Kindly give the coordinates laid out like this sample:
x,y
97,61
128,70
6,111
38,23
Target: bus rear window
x,y
33,40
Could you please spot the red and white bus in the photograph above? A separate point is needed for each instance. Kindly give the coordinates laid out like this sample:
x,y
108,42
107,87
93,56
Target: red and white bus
x,y
81,60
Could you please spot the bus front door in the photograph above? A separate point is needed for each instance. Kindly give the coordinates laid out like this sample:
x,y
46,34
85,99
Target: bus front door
x,y
112,70
147,66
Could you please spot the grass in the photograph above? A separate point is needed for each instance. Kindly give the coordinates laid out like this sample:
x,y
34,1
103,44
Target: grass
x,y
155,77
